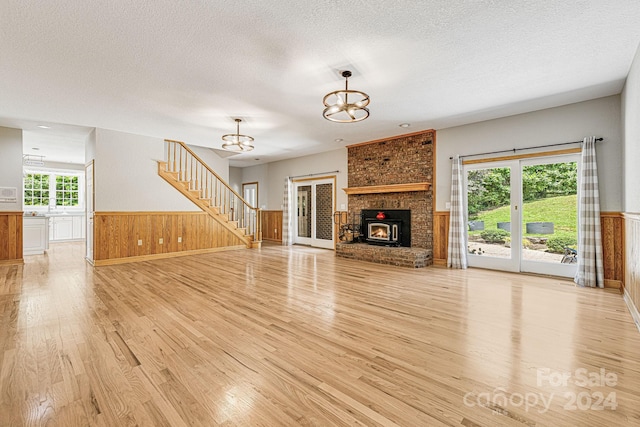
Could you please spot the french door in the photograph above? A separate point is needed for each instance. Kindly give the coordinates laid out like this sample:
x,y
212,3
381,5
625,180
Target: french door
x,y
522,214
314,204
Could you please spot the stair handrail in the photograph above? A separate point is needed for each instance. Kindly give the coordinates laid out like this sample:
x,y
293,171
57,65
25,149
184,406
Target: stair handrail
x,y
254,226
203,163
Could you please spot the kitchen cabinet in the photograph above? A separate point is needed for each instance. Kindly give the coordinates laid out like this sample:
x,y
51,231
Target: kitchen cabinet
x,y
67,227
35,235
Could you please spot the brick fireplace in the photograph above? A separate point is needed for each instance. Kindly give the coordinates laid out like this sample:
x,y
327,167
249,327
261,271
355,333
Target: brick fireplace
x,y
393,174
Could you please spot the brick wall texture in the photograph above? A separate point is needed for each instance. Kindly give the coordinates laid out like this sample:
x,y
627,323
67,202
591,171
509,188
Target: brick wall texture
x,y
324,211
403,160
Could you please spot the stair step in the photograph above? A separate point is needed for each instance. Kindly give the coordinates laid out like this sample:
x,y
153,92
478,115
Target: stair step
x,y
206,204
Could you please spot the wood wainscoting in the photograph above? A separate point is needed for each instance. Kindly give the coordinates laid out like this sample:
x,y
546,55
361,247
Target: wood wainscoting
x,y
11,237
440,237
272,226
632,264
613,246
162,235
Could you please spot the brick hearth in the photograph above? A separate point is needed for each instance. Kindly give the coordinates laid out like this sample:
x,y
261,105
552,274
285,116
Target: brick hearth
x,y
405,159
403,257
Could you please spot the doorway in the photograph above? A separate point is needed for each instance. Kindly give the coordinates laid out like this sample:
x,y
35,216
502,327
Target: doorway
x,y
314,204
523,214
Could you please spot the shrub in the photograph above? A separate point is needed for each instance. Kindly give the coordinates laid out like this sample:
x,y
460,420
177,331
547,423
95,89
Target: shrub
x,y
495,236
557,244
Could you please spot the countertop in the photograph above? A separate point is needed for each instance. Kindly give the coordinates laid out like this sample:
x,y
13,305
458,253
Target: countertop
x,y
49,215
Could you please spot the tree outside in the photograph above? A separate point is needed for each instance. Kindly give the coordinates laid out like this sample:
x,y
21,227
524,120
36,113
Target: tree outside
x,y
549,194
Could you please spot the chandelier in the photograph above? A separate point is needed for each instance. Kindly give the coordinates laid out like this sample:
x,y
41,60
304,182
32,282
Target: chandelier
x,y
237,142
346,106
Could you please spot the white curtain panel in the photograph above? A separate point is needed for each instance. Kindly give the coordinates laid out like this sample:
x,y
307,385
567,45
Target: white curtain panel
x,y
287,237
590,267
457,250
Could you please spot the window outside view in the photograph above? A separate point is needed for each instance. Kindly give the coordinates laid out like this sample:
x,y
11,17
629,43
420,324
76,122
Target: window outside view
x,y
40,190
549,212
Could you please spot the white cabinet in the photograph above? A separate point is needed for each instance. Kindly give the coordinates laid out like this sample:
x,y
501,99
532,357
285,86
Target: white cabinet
x,y
78,227
35,235
62,228
67,227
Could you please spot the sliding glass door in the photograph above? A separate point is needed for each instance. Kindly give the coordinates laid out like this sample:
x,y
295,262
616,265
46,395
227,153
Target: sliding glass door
x,y
522,214
314,207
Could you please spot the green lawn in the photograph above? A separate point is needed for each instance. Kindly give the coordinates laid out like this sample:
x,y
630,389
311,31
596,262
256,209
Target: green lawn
x,y
561,210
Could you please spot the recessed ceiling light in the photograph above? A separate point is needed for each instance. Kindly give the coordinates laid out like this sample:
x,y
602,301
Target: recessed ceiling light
x,y
404,125
338,140
35,148
44,127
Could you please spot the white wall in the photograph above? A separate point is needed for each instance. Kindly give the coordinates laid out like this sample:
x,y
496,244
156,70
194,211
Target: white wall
x,y
600,117
631,132
90,146
215,162
235,179
271,176
259,174
11,165
63,166
126,175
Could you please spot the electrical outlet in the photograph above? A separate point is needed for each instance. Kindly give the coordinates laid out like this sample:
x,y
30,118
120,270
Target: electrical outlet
x,y
180,239
160,241
139,242
447,205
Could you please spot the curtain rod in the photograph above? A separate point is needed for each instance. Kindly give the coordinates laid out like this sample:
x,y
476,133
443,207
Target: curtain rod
x,y
527,148
313,174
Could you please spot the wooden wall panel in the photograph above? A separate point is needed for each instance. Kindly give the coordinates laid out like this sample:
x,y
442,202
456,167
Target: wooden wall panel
x,y
613,247
440,237
272,225
11,237
632,262
117,234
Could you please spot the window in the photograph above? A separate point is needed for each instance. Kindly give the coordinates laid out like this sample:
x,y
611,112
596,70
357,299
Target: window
x,y
53,189
36,189
66,190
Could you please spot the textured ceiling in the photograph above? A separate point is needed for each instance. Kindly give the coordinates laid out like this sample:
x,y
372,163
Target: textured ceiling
x,y
184,70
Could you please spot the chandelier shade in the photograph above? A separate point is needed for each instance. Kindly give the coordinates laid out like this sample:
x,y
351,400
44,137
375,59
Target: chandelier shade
x,y
237,142
346,106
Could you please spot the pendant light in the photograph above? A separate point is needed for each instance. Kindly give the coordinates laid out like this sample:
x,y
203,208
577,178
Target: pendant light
x,y
236,141
346,106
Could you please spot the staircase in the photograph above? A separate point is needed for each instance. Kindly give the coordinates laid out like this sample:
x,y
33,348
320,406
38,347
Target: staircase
x,y
186,172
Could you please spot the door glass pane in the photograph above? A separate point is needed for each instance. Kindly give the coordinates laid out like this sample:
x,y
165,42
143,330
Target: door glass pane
x,y
549,212
304,214
489,212
324,210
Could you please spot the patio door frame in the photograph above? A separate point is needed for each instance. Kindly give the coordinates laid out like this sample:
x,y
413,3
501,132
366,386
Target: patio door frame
x,y
516,263
313,183
494,263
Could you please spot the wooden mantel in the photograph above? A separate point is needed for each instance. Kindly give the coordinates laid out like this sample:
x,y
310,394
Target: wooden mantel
x,y
392,188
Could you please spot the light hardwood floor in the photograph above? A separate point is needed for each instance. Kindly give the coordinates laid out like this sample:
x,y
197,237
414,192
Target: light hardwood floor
x,y
295,336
